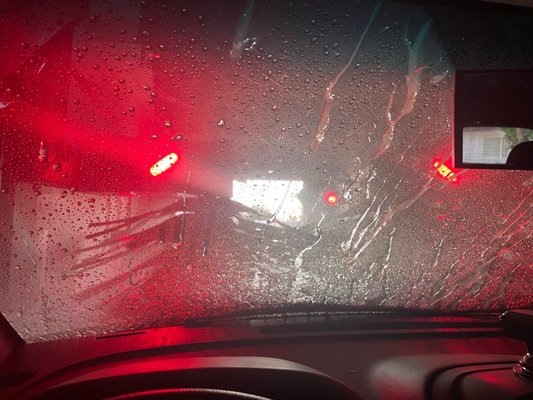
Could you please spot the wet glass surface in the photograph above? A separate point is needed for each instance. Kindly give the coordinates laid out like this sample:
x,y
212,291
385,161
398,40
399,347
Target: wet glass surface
x,y
311,163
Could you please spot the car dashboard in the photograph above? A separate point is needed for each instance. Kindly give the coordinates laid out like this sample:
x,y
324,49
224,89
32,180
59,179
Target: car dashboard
x,y
298,356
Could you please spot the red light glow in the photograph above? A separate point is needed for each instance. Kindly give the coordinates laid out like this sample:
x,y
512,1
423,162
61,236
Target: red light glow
x,y
331,198
444,171
164,164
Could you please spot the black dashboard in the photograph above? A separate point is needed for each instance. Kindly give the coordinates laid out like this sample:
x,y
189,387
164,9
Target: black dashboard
x,y
298,357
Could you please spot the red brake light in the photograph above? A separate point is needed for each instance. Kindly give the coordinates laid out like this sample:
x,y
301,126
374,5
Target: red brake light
x,y
164,164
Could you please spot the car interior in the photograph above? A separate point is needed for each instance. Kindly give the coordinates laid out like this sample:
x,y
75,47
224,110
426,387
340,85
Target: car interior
x,y
266,199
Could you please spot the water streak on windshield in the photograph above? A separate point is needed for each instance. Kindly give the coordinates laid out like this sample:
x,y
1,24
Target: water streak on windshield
x,y
328,94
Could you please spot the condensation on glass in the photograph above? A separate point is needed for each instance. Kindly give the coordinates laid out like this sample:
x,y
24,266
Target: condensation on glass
x,y
268,106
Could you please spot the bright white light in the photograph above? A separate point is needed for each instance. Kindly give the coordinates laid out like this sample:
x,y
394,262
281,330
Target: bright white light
x,y
265,196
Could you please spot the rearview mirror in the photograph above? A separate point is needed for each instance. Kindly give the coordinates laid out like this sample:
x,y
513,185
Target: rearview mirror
x,y
493,122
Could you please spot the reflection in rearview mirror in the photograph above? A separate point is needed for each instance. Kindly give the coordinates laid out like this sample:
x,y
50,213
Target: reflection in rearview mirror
x,y
492,145
493,122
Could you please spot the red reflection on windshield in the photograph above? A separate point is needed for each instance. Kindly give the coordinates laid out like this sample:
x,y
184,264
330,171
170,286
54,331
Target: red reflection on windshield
x,y
444,171
164,164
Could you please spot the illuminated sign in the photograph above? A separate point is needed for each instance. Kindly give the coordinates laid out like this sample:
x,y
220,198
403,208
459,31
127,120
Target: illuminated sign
x,y
444,171
164,164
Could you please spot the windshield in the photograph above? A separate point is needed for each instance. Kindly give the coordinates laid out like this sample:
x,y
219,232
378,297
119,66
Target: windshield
x,y
165,161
